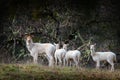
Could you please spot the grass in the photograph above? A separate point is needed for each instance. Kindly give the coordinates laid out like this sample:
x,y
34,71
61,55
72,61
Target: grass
x,y
37,72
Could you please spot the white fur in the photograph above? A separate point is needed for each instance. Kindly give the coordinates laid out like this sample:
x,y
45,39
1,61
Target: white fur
x,y
110,57
60,54
37,49
74,55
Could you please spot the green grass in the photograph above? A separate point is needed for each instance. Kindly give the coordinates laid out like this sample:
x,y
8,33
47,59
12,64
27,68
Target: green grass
x,y
37,72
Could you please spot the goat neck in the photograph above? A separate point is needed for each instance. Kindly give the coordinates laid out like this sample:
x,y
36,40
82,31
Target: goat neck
x,y
29,44
92,52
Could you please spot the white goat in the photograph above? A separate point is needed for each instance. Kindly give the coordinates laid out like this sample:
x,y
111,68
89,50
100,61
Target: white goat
x,y
74,55
60,54
110,57
37,49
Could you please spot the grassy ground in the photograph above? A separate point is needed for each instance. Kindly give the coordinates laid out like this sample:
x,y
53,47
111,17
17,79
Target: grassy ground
x,y
37,72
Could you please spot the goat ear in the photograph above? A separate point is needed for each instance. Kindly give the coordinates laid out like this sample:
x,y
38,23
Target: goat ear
x,y
54,44
95,44
67,44
32,36
62,43
25,35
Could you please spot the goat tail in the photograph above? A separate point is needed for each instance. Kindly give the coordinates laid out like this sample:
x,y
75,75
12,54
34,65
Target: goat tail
x,y
54,57
115,58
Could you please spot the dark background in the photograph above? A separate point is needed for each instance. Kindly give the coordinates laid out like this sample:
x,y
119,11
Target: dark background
x,y
55,20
